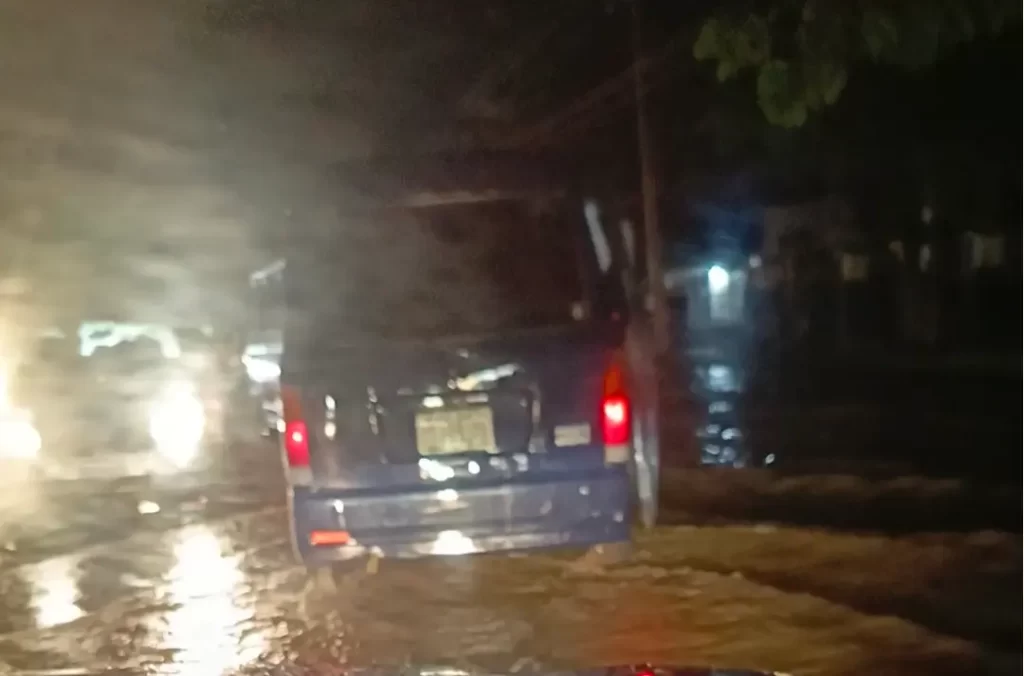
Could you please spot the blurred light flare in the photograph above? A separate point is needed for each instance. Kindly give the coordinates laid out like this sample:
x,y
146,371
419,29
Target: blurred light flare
x,y
718,279
447,495
54,584
435,471
721,378
452,543
260,370
208,630
5,401
177,422
19,438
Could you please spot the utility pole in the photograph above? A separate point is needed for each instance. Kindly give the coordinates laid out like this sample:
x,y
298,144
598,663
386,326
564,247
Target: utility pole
x,y
649,191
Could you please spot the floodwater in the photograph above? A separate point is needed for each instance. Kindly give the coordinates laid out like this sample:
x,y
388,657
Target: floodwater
x,y
206,585
751,406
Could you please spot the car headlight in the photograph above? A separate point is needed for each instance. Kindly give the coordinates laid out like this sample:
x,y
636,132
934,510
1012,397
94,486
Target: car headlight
x,y
261,371
176,424
19,438
5,402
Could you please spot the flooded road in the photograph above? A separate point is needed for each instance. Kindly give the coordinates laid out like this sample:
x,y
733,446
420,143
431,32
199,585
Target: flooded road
x,y
209,589
717,387
742,406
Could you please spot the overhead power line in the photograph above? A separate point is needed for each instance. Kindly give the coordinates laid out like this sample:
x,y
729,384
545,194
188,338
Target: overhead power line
x,y
514,59
609,96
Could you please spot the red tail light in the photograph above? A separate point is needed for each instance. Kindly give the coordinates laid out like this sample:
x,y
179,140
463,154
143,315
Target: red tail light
x,y
296,436
296,443
616,418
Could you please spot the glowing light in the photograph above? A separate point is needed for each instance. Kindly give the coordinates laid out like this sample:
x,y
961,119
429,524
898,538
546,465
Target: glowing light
x,y
209,631
4,388
55,592
452,543
718,279
176,425
721,378
261,370
434,470
447,495
19,439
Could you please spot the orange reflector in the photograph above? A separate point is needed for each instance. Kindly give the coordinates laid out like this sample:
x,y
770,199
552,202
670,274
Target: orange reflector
x,y
326,538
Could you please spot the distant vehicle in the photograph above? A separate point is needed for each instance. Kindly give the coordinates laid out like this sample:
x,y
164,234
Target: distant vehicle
x,y
261,356
124,410
476,379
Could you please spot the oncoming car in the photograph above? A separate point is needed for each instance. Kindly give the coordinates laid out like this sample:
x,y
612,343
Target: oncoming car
x,y
474,377
124,410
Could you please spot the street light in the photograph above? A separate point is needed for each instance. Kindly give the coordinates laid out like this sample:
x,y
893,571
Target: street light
x,y
718,279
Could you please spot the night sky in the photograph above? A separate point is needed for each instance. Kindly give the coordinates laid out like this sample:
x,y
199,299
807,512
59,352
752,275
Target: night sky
x,y
178,130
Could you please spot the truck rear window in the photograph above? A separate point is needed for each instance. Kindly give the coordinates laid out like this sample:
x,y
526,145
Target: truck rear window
x,y
441,270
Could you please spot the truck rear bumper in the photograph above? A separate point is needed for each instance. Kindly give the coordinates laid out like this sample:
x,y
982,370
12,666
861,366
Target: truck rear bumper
x,y
332,525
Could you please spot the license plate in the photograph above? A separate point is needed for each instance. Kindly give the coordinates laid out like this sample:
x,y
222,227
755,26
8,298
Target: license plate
x,y
459,431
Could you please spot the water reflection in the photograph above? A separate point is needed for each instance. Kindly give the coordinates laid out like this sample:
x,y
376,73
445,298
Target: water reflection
x,y
717,387
54,589
207,630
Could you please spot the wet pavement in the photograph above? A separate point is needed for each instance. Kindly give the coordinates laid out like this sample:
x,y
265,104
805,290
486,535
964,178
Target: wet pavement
x,y
832,562
717,387
37,521
206,585
734,406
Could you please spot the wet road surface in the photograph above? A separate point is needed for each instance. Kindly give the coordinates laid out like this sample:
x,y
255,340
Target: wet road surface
x,y
732,407
209,587
37,521
885,572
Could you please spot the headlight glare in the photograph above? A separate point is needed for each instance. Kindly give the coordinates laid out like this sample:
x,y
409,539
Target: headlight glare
x,y
176,424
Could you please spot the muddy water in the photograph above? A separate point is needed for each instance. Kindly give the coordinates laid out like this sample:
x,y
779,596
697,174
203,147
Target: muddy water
x,y
222,598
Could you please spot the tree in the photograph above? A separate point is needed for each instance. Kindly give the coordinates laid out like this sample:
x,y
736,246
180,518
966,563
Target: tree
x,y
804,51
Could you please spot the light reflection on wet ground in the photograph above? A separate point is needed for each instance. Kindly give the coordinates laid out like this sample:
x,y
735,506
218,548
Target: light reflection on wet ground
x,y
834,414
213,599
717,387
181,601
211,607
216,597
54,592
